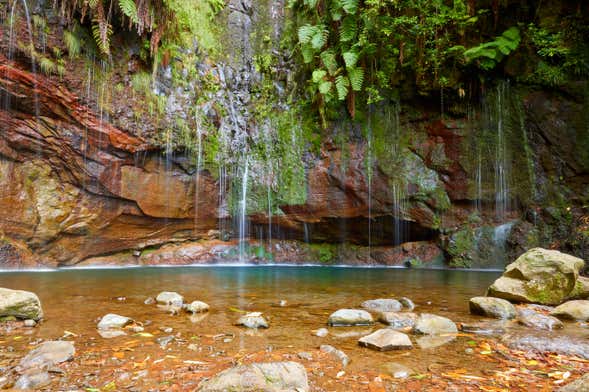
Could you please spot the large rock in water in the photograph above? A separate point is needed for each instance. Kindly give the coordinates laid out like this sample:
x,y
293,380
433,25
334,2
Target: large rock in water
x,y
574,310
20,304
538,276
350,317
47,355
492,307
386,340
431,324
259,377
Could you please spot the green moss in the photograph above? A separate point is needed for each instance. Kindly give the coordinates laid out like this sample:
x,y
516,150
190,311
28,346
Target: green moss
x,y
324,253
460,246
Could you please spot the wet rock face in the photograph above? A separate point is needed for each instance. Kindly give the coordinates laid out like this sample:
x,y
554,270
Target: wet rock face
x,y
492,307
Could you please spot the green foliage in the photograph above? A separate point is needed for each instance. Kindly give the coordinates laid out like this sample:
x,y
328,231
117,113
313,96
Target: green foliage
x,y
489,54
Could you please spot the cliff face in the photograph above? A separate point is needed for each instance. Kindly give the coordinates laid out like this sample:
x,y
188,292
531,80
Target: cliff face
x,y
78,188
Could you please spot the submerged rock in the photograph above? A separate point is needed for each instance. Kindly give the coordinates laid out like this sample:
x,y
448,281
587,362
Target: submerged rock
x,y
350,317
407,303
398,320
433,341
32,381
112,320
253,320
386,340
573,310
259,377
579,385
492,307
382,305
397,370
197,307
335,353
533,319
47,354
20,304
548,343
486,328
431,324
322,332
538,276
170,298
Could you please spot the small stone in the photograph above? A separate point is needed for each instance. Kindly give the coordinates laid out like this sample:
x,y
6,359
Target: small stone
x,y
30,323
386,340
112,321
253,320
340,374
398,320
197,307
397,370
532,319
166,329
164,341
573,310
431,324
350,317
136,328
322,332
149,301
111,333
382,305
469,351
407,303
492,307
282,303
305,355
335,353
192,347
170,298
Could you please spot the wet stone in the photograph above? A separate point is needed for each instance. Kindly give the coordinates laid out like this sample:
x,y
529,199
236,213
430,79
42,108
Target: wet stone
x,y
396,370
112,321
382,305
322,332
573,310
20,304
386,340
491,328
350,317
335,353
169,298
548,343
197,307
47,355
492,307
32,381
407,303
433,341
398,320
431,324
253,320
532,319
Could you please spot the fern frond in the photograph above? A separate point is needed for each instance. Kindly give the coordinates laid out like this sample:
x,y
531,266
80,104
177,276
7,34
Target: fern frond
x,y
318,75
329,61
320,37
306,32
350,58
350,6
72,43
348,29
308,53
129,8
341,85
325,87
356,76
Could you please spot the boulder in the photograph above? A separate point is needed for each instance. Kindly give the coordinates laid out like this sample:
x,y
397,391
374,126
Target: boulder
x,y
573,310
20,304
386,340
197,307
538,276
533,319
47,355
259,377
398,320
581,290
492,307
113,321
169,298
252,320
350,317
431,324
382,305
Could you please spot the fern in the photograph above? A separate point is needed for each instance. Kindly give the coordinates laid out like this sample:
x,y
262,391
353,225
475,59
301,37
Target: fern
x,y
348,29
129,8
47,66
320,37
306,32
308,53
350,6
350,58
489,54
318,75
325,87
72,43
341,85
329,61
356,76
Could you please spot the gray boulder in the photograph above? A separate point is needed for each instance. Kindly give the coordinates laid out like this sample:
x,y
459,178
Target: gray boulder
x,y
47,354
259,377
382,305
581,290
538,276
350,317
492,307
431,324
386,340
20,304
573,310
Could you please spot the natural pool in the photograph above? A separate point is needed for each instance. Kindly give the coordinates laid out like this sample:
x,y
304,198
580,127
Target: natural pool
x,y
74,300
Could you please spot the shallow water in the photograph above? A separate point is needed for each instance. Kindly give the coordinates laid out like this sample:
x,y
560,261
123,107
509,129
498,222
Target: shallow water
x,y
74,300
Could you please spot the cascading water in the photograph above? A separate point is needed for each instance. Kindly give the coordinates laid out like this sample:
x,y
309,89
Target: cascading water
x,y
502,162
243,223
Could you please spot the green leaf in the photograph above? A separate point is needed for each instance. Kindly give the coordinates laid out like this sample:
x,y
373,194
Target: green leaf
x,y
348,29
325,87
318,75
308,53
329,61
129,8
356,76
306,32
350,6
341,85
320,37
350,58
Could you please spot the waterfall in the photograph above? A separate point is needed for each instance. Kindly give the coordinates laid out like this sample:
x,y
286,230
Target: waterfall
x,y
502,163
197,172
243,224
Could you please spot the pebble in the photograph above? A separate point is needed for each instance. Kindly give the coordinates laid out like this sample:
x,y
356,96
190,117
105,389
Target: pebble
x,y
30,323
337,354
322,332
